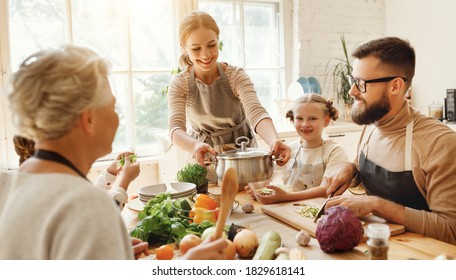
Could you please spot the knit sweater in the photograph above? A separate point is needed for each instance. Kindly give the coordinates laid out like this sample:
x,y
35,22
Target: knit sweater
x,y
240,83
433,152
59,216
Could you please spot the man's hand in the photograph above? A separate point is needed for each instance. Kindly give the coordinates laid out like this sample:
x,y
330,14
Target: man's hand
x,y
340,179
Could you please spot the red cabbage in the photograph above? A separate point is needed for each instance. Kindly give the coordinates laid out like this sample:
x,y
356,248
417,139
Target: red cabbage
x,y
339,230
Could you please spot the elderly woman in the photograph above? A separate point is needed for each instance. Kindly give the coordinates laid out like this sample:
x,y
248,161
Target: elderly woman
x,y
63,101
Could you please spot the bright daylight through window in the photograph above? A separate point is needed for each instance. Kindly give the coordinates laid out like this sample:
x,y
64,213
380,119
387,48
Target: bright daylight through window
x,y
139,38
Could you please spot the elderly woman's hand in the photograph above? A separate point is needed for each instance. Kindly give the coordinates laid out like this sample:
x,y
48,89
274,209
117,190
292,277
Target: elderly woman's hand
x,y
210,249
139,247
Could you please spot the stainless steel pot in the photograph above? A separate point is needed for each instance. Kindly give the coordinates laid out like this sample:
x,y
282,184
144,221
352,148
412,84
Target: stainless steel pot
x,y
251,164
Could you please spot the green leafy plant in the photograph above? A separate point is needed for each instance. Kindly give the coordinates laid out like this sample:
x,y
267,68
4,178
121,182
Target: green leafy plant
x,y
192,173
338,69
160,223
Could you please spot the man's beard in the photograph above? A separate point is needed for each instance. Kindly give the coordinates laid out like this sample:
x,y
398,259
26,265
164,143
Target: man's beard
x,y
371,113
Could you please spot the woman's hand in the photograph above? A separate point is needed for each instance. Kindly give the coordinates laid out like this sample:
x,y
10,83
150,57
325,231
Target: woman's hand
x,y
139,247
210,249
199,152
280,149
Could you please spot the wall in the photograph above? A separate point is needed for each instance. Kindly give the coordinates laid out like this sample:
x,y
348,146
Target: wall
x,y
317,26
430,28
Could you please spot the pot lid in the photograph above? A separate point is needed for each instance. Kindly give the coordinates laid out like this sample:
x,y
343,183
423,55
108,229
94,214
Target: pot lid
x,y
248,153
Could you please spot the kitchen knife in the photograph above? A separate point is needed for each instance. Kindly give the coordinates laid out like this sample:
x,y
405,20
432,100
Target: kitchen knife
x,y
322,209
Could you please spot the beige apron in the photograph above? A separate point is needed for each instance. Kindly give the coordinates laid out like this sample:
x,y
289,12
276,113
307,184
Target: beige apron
x,y
303,176
216,116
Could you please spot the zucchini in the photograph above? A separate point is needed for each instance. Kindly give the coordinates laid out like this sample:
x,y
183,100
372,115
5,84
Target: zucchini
x,y
269,242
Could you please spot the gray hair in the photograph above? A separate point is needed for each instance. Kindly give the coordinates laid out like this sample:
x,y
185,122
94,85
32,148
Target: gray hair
x,y
52,87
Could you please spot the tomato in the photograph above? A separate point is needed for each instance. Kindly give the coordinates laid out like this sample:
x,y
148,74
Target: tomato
x,y
165,252
205,201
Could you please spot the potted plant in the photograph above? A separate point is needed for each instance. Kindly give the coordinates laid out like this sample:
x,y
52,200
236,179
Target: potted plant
x,y
196,174
338,69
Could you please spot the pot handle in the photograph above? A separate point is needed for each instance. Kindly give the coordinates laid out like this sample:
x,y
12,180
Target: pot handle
x,y
276,159
209,162
242,141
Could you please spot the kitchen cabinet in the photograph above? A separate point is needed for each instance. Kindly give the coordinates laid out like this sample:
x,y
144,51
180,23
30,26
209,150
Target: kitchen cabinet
x,y
347,138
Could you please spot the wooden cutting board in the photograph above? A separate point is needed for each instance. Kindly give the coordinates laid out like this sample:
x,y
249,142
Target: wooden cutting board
x,y
286,212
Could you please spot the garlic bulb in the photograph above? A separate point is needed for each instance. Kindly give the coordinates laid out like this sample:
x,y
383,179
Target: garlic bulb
x,y
303,238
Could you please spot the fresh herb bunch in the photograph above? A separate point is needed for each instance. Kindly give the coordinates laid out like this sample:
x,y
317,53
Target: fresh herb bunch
x,y
132,157
192,173
159,222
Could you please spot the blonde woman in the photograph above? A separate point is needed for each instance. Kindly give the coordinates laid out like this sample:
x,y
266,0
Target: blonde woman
x,y
62,100
216,98
312,158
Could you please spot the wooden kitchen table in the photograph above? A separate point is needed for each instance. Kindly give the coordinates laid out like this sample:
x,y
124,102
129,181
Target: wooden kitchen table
x,y
401,247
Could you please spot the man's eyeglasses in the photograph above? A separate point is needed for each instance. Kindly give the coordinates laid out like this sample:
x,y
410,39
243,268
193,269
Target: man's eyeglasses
x,y
361,84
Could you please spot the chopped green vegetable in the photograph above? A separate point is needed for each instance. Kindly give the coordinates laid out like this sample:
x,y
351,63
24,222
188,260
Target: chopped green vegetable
x,y
159,222
132,157
308,211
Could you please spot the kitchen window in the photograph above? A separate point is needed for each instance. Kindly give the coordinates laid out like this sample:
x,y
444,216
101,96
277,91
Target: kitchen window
x,y
139,37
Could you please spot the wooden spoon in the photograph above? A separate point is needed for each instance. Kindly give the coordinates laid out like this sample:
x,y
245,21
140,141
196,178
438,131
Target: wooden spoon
x,y
229,189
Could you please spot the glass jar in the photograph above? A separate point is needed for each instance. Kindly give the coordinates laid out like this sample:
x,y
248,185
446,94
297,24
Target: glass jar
x,y
436,111
377,242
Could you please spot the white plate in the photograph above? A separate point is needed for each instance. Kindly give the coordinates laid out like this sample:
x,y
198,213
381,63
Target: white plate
x,y
135,205
180,187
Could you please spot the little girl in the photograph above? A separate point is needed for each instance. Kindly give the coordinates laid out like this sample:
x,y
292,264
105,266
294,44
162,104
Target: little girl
x,y
312,158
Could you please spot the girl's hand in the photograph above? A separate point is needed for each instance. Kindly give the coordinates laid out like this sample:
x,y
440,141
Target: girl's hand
x,y
250,191
113,168
128,174
199,152
280,149
279,195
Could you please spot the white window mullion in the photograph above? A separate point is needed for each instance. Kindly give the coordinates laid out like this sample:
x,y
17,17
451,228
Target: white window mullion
x,y
69,21
7,154
130,120
241,32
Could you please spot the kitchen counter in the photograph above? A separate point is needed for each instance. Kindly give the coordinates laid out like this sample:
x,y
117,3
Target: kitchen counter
x,y
403,246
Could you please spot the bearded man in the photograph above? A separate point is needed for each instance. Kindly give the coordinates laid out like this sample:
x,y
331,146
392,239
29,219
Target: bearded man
x,y
404,158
